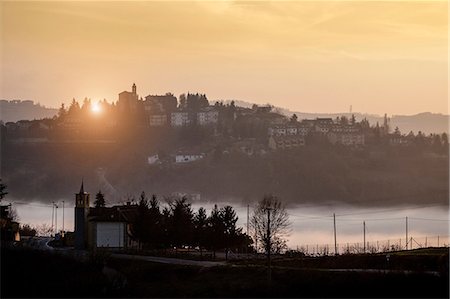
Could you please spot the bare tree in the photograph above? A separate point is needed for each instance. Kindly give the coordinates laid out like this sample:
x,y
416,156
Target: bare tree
x,y
13,214
44,230
279,227
3,192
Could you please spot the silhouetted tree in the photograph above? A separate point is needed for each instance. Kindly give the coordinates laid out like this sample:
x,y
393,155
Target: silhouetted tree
x,y
183,103
343,120
62,111
445,145
180,222
200,228
139,227
27,230
155,231
74,108
99,200
279,224
3,192
294,118
216,229
229,219
437,143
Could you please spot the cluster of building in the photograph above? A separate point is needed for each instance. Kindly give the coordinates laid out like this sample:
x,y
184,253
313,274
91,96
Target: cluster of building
x,y
163,110
178,158
244,124
293,133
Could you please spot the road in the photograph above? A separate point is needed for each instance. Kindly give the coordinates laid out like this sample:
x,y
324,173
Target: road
x,y
166,260
40,243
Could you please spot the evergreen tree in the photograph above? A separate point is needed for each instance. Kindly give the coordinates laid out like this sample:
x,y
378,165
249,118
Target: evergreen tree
x,y
216,229
180,223
229,220
99,200
155,232
140,227
294,118
200,228
353,120
62,111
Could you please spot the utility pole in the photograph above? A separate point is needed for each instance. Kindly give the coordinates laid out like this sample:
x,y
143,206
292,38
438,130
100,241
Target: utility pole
x,y
335,243
248,223
63,220
256,241
53,214
248,218
56,219
364,232
406,233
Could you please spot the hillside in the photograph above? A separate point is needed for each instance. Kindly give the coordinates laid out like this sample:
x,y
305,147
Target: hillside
x,y
24,110
425,122
367,177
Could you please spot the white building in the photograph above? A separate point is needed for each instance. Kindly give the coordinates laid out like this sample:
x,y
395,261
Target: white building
x,y
347,139
186,158
207,116
179,119
286,142
303,129
277,131
153,160
157,120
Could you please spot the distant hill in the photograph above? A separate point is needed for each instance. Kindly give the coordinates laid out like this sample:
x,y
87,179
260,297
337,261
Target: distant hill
x,y
426,122
16,110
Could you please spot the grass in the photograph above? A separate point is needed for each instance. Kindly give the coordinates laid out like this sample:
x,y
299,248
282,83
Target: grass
x,y
28,273
158,280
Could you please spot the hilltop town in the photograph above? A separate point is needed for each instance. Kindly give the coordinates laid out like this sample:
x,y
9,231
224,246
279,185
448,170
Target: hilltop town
x,y
270,127
168,145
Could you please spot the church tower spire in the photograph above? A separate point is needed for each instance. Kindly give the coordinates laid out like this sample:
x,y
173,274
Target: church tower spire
x,y
82,187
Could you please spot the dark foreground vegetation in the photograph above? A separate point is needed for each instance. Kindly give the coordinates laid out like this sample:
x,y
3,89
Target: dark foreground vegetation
x,y
27,273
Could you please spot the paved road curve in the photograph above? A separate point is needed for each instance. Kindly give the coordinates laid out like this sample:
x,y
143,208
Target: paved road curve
x,y
166,260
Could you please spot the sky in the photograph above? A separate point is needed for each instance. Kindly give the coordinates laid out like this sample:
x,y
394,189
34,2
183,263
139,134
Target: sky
x,y
308,56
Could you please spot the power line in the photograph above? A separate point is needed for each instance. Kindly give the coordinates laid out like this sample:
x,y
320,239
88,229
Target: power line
x,y
389,210
30,204
428,219
373,219
310,217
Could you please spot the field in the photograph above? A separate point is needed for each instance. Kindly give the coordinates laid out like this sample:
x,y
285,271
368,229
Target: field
x,y
28,273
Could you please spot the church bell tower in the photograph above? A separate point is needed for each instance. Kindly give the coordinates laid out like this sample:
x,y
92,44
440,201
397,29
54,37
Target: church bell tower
x,y
81,213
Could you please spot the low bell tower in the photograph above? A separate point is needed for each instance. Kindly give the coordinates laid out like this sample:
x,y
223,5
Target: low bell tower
x,y
81,213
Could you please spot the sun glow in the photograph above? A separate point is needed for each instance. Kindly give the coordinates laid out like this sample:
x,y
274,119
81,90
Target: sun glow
x,y
96,108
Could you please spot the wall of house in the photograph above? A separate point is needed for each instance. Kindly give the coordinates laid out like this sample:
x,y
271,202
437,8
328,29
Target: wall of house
x,y
110,234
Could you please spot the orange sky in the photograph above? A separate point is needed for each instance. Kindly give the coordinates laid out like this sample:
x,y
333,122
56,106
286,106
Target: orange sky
x,y
309,56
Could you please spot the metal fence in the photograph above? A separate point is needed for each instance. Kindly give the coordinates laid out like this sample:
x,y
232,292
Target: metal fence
x,y
375,246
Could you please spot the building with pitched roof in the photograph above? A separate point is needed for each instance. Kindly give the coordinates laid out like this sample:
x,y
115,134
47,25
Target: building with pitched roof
x,y
103,227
